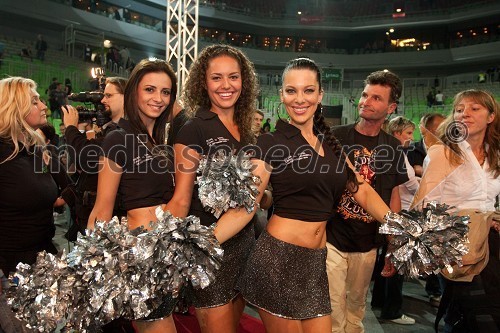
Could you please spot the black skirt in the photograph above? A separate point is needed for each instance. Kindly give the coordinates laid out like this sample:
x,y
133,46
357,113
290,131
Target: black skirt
x,y
165,309
223,289
286,280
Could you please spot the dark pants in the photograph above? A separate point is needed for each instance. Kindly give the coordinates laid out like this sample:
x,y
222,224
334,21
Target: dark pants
x,y
433,285
387,293
40,55
474,306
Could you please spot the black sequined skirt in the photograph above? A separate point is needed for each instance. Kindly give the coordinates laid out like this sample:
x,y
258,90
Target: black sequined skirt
x,y
165,309
223,289
286,280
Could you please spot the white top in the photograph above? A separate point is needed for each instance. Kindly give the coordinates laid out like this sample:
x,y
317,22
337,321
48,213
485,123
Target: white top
x,y
468,185
408,189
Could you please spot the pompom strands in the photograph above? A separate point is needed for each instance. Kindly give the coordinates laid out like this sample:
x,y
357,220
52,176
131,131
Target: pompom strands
x,y
426,241
114,272
226,182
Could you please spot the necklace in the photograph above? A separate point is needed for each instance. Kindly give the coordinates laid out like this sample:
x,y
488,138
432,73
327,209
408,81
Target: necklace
x,y
481,156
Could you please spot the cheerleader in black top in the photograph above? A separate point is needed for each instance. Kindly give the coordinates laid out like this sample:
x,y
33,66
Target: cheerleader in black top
x,y
285,276
219,96
135,163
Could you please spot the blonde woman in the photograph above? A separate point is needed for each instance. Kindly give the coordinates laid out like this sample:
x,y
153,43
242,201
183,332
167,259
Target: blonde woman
x,y
29,191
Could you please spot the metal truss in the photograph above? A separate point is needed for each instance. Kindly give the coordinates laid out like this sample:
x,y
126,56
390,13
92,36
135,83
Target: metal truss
x,y
182,36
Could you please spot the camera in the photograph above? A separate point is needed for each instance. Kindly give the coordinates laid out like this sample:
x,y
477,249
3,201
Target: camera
x,y
97,114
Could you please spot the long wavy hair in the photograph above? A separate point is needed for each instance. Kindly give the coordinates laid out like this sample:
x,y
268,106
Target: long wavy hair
x,y
15,106
131,108
195,93
492,136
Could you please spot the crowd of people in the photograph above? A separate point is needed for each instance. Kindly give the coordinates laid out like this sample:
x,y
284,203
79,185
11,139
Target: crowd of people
x,y
305,256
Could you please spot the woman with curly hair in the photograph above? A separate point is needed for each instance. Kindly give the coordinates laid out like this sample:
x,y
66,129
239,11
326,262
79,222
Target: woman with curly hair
x,y
285,276
219,97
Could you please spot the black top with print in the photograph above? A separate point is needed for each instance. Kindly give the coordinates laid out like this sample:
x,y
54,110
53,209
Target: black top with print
x,y
306,186
206,134
381,163
147,178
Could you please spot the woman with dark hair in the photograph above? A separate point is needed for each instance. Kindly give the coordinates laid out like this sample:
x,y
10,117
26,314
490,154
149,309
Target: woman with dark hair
x,y
285,276
136,163
219,98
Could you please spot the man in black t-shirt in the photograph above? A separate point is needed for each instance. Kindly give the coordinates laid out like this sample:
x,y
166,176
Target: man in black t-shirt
x,y
352,234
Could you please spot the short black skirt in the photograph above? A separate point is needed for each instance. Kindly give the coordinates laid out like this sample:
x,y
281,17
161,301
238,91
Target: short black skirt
x,y
223,289
286,280
165,309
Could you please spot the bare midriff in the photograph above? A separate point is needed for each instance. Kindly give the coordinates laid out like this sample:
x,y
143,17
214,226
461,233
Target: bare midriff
x,y
306,234
141,217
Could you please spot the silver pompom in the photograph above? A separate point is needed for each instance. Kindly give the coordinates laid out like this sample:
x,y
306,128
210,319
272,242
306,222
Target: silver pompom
x,y
426,241
115,272
227,182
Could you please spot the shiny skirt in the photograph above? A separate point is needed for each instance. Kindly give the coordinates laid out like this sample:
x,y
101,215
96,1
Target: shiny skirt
x,y
223,289
286,280
165,309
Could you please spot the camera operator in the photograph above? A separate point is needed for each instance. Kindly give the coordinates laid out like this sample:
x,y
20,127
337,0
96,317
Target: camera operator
x,y
84,150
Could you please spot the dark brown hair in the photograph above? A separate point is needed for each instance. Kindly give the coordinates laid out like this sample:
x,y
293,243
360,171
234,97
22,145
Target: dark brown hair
x,y
144,67
387,79
320,125
195,94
